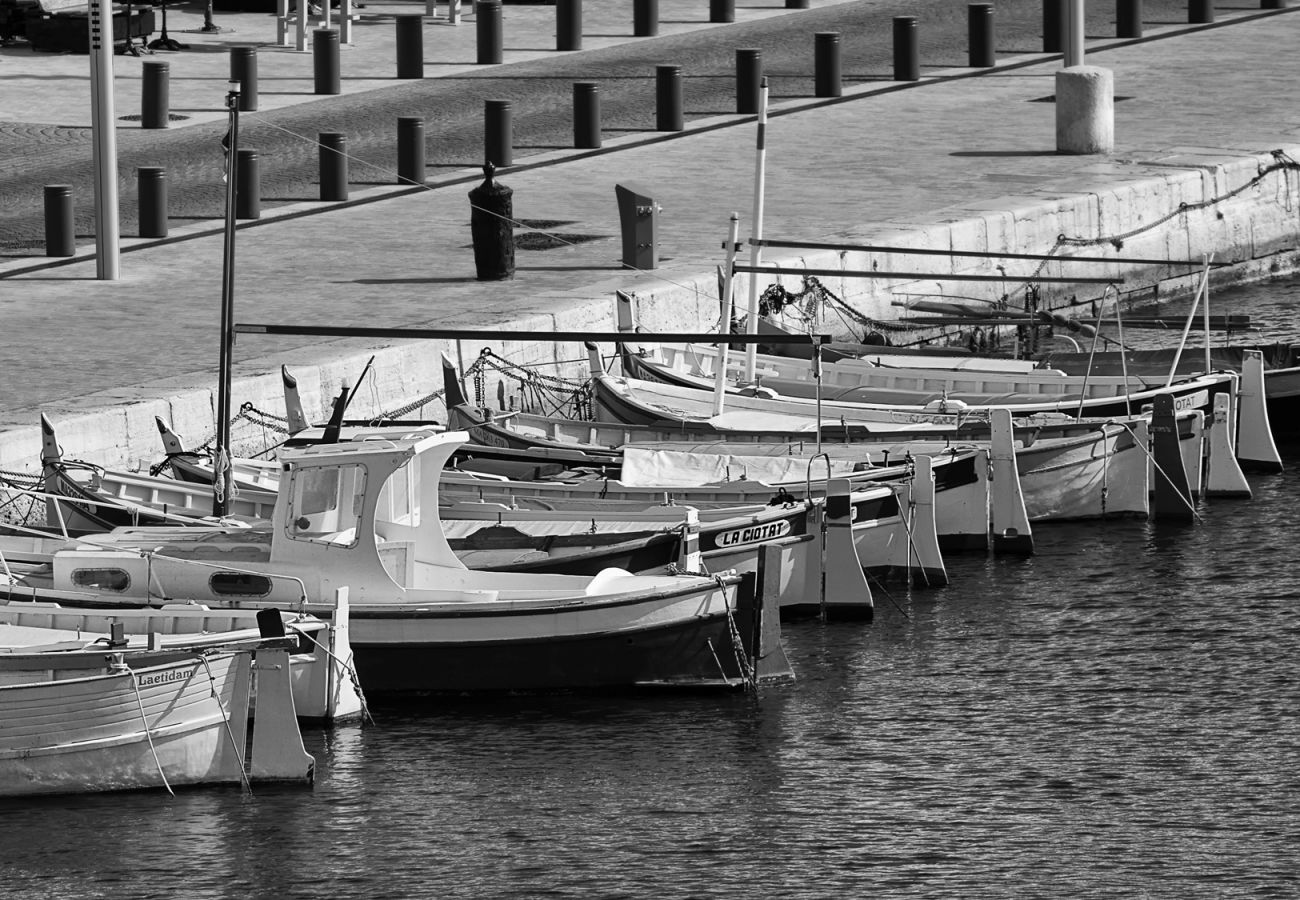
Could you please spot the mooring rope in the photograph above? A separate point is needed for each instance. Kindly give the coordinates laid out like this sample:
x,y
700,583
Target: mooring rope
x,y
148,732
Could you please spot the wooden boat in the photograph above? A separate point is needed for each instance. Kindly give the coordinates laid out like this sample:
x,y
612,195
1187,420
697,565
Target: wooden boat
x,y
80,720
364,515
325,688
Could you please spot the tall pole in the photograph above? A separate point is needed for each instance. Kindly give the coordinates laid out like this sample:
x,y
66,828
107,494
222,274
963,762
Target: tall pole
x,y
756,250
221,457
103,127
724,330
1074,28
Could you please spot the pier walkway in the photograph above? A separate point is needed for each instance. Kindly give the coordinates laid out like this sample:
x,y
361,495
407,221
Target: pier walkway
x,y
103,357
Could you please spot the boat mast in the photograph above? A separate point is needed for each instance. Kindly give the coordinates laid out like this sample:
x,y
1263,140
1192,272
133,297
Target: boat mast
x,y
221,454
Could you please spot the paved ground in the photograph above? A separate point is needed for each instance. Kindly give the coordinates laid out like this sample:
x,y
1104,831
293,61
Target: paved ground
x,y
888,156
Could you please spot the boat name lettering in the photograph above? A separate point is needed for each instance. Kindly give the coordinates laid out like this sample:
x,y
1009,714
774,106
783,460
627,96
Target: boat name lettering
x,y
483,436
165,677
1192,401
754,534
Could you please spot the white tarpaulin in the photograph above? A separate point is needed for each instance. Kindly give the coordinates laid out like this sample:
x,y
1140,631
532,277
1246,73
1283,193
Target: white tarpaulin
x,y
675,468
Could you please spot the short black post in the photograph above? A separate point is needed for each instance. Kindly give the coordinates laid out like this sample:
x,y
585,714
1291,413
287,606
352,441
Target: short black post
x,y
410,150
151,187
586,115
154,100
325,61
333,166
410,46
1054,13
491,222
980,29
1128,18
243,68
669,115
60,236
488,32
1200,12
568,24
907,49
1272,4
248,186
498,133
645,18
722,10
796,4
749,79
826,64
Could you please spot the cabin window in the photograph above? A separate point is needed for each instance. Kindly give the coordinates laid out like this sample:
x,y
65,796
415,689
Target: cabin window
x,y
398,499
102,579
240,584
326,503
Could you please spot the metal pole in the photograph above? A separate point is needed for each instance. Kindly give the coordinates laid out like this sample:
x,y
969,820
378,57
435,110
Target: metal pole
x,y
1074,32
756,250
103,125
220,486
724,325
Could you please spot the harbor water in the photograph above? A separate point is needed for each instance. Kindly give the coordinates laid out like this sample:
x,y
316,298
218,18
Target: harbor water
x,y
1112,717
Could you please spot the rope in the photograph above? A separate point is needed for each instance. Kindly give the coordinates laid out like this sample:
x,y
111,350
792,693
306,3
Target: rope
x,y
239,756
1160,470
352,675
737,643
148,732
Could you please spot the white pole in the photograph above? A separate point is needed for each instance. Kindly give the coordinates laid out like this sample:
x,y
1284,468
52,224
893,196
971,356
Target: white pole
x,y
1074,32
756,251
1206,285
724,329
103,125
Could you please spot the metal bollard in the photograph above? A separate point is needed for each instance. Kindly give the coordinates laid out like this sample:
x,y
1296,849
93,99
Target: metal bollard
x,y
1200,12
668,99
487,32
907,53
1128,18
796,4
645,18
749,79
1054,26
491,222
410,150
60,236
826,64
243,68
1272,4
151,187
410,46
586,115
568,24
333,165
980,28
154,100
325,61
722,10
248,186
498,137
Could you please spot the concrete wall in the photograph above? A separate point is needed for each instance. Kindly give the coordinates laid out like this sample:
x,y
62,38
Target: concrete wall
x,y
1202,205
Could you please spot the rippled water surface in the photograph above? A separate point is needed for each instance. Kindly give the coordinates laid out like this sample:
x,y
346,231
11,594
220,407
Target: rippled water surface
x,y
1114,717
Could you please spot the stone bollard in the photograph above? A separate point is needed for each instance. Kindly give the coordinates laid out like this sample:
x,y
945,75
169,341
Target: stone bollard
x,y
1085,110
410,150
1054,26
333,166
645,18
826,64
669,114
1128,18
151,187
907,54
491,223
487,33
154,100
749,80
60,235
980,31
722,11
410,46
498,133
243,68
248,185
325,61
586,115
568,24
